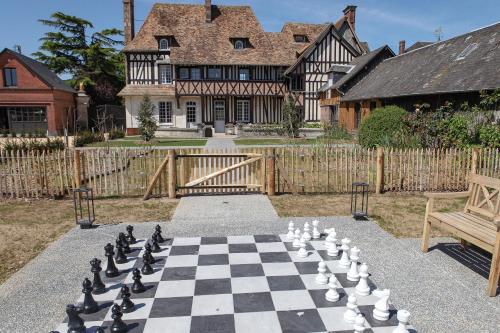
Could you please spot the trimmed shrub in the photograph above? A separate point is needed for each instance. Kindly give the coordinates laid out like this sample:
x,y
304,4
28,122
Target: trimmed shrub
x,y
489,135
33,145
116,134
87,137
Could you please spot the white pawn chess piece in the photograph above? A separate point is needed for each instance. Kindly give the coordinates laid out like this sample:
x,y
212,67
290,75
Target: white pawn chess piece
x,y
316,234
306,233
302,252
321,278
290,235
352,309
353,274
359,324
403,318
362,288
296,240
331,244
332,295
381,310
344,259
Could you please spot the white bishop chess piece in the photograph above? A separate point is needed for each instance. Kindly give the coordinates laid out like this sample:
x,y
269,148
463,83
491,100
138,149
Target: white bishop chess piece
x,y
290,235
316,234
353,274
321,278
306,233
381,310
362,288
331,244
359,324
352,309
296,238
403,318
302,252
332,295
344,259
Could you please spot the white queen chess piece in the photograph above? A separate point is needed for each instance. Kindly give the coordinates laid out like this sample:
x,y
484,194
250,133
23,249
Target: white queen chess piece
x,y
352,309
290,235
353,274
296,240
403,318
302,252
381,310
362,288
332,295
344,259
321,278
316,234
331,244
306,233
359,324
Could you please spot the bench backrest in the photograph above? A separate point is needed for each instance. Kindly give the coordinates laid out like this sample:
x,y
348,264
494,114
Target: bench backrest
x,y
484,197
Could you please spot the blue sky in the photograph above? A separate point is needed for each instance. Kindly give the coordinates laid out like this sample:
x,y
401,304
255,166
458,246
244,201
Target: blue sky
x,y
378,21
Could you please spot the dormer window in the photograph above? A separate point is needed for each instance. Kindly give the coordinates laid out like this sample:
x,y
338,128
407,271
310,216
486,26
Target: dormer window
x,y
301,38
164,44
241,43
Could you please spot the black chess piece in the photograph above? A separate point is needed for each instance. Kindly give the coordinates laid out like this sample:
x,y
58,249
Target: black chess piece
x,y
111,270
154,241
118,326
97,286
147,251
124,241
158,232
146,265
89,304
120,258
127,305
130,237
75,322
137,287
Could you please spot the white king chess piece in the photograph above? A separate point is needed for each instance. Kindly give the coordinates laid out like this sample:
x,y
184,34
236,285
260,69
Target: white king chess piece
x,y
362,288
344,259
359,324
302,252
316,234
403,318
331,244
290,235
352,309
296,238
321,278
332,295
353,274
306,233
381,310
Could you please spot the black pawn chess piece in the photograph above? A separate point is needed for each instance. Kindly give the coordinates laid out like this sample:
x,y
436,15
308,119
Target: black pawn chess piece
x,y
124,241
127,305
154,241
158,232
118,326
137,287
120,258
89,304
130,237
97,286
111,270
147,251
146,265
75,322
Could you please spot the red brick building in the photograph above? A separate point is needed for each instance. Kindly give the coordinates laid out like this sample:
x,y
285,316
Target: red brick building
x,y
33,98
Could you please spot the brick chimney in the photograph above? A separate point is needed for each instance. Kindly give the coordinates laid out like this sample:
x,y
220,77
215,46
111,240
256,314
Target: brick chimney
x,y
208,11
402,47
128,20
350,15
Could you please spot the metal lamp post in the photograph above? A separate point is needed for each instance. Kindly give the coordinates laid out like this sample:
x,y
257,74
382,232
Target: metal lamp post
x,y
359,200
83,202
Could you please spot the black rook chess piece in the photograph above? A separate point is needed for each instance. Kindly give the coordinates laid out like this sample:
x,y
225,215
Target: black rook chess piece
x,y
97,286
137,287
146,266
111,270
89,304
158,232
125,244
118,326
120,258
154,241
147,251
127,305
130,236
75,322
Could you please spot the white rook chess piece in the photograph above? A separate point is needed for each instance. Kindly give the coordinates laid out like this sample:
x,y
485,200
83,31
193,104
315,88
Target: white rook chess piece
x,y
302,252
316,234
352,309
290,235
296,240
403,318
331,244
359,324
381,310
362,288
332,295
344,259
353,274
321,278
306,233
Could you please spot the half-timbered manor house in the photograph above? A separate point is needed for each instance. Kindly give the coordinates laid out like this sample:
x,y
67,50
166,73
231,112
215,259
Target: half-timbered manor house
x,y
214,65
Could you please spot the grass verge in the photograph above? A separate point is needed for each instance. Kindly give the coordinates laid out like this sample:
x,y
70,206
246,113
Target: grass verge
x,y
273,141
158,142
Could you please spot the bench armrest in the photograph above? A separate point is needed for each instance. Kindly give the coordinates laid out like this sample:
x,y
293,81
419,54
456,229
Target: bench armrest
x,y
446,195
496,221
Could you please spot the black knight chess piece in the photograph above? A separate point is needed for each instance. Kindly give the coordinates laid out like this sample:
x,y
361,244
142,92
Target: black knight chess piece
x,y
124,241
154,241
127,305
75,322
97,286
120,258
146,265
89,304
118,325
158,232
137,287
111,270
147,251
130,236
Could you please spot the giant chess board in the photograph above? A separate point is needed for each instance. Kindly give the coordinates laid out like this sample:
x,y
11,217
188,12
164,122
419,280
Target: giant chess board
x,y
233,284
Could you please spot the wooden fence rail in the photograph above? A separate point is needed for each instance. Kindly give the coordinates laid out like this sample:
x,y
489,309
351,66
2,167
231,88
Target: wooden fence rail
x,y
315,169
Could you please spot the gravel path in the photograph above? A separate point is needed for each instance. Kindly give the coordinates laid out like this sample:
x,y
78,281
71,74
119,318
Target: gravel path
x,y
220,143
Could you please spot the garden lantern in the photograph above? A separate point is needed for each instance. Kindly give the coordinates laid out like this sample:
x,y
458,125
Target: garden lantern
x,y
359,200
83,202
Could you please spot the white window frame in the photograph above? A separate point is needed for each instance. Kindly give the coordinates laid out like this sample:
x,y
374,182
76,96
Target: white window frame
x,y
243,110
239,44
164,44
165,107
215,69
191,107
198,76
246,72
165,74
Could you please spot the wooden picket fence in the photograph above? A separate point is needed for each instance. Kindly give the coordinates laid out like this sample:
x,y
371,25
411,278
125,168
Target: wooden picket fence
x,y
315,169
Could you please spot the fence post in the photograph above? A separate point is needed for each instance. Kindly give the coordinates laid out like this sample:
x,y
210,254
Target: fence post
x,y
271,186
172,175
475,158
379,185
77,169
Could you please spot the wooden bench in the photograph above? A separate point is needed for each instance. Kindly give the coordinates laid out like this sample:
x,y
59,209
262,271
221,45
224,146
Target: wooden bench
x,y
478,223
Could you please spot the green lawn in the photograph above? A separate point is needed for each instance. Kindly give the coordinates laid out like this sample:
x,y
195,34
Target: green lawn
x,y
273,141
135,141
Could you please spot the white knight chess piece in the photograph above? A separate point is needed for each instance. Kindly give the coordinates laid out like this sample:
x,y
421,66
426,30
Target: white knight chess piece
x,y
381,310
316,234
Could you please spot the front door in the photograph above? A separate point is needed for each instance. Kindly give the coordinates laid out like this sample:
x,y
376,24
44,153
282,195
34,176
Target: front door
x,y
220,116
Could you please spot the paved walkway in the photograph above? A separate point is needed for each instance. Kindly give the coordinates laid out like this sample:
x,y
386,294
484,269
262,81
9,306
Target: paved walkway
x,y
220,143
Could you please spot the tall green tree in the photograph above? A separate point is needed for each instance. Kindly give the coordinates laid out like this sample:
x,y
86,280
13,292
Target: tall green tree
x,y
292,119
74,48
147,122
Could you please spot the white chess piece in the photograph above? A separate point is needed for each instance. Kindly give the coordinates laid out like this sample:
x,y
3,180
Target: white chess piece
x,y
352,309
381,292
306,233
331,244
302,252
332,295
316,234
353,274
326,231
362,288
321,278
296,240
381,310
403,318
290,235
344,259
359,324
